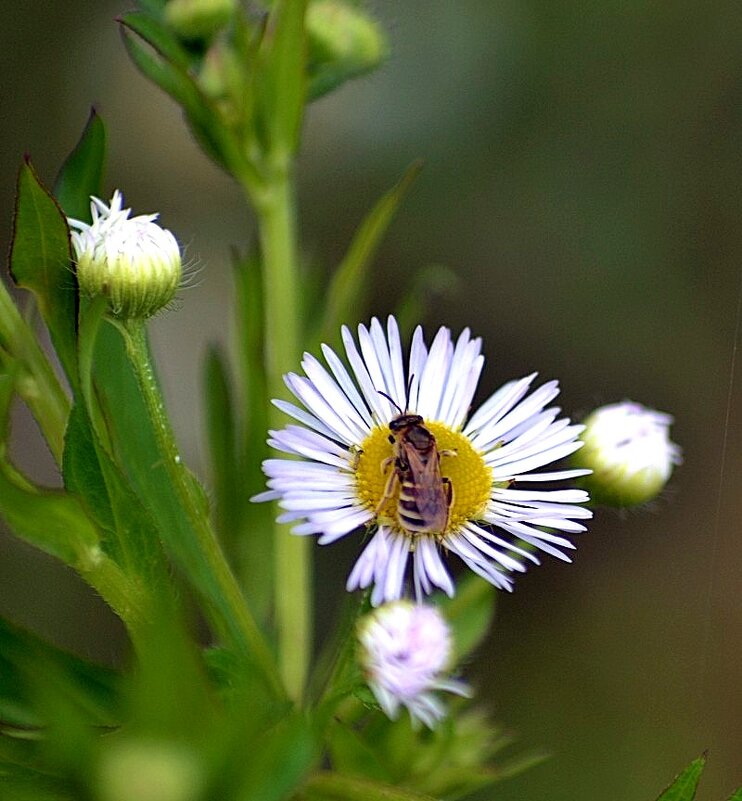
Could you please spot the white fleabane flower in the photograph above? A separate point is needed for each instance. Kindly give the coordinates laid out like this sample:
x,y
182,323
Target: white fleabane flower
x,y
341,482
628,448
132,261
405,651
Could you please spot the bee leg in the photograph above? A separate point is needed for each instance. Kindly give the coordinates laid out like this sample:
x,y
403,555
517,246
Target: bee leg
x,y
448,489
385,464
389,489
449,453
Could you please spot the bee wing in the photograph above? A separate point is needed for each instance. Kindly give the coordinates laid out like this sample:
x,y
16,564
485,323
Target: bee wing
x,y
431,498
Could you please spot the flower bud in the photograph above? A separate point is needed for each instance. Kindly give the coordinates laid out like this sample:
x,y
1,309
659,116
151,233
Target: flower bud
x,y
405,649
198,19
344,43
148,770
628,448
133,262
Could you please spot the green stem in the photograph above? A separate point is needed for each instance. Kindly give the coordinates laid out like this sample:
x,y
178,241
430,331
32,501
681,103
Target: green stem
x,y
37,383
237,626
275,207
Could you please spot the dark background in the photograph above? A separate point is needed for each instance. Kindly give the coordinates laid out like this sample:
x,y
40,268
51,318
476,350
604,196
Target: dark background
x,y
582,181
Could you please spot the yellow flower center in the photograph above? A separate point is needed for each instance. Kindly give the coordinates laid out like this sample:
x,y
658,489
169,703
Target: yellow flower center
x,y
463,466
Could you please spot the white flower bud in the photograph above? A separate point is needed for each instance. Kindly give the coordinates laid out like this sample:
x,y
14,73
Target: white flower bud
x,y
628,448
405,649
132,261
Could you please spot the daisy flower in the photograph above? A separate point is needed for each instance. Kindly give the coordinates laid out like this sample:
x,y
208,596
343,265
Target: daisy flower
x,y
405,650
341,481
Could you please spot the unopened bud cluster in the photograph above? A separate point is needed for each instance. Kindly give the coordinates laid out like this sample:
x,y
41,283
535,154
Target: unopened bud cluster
x,y
132,261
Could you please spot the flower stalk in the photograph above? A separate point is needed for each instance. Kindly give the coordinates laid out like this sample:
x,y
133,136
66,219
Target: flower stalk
x,y
237,627
276,211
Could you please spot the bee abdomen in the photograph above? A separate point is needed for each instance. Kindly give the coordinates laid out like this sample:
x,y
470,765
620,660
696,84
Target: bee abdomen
x,y
409,515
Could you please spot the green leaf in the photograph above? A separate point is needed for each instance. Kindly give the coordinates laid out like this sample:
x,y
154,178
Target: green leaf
x,y
281,82
81,469
40,261
256,522
160,58
160,37
91,472
470,613
50,520
349,284
92,688
353,756
222,436
737,795
328,786
82,173
685,784
275,770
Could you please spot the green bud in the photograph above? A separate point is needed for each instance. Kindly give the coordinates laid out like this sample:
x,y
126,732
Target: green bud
x,y
148,770
198,19
628,448
344,42
133,262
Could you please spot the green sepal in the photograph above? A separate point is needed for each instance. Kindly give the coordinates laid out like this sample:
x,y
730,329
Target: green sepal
x,y
40,261
81,174
349,284
685,784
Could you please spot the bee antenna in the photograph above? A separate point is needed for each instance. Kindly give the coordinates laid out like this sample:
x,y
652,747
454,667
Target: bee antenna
x,y
391,400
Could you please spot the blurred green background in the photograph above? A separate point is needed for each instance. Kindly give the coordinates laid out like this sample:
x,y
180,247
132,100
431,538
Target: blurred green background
x,y
582,180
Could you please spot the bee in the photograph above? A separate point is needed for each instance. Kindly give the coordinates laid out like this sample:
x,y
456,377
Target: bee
x,y
425,496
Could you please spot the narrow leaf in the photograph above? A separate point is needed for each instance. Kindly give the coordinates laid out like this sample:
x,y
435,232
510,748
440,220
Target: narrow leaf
x,y
173,77
50,520
82,173
278,766
222,436
40,261
281,82
328,786
685,784
737,795
348,286
159,36
93,689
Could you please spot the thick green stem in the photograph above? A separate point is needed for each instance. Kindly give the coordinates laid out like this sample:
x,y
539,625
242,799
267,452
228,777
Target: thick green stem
x,y
236,625
36,383
274,204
